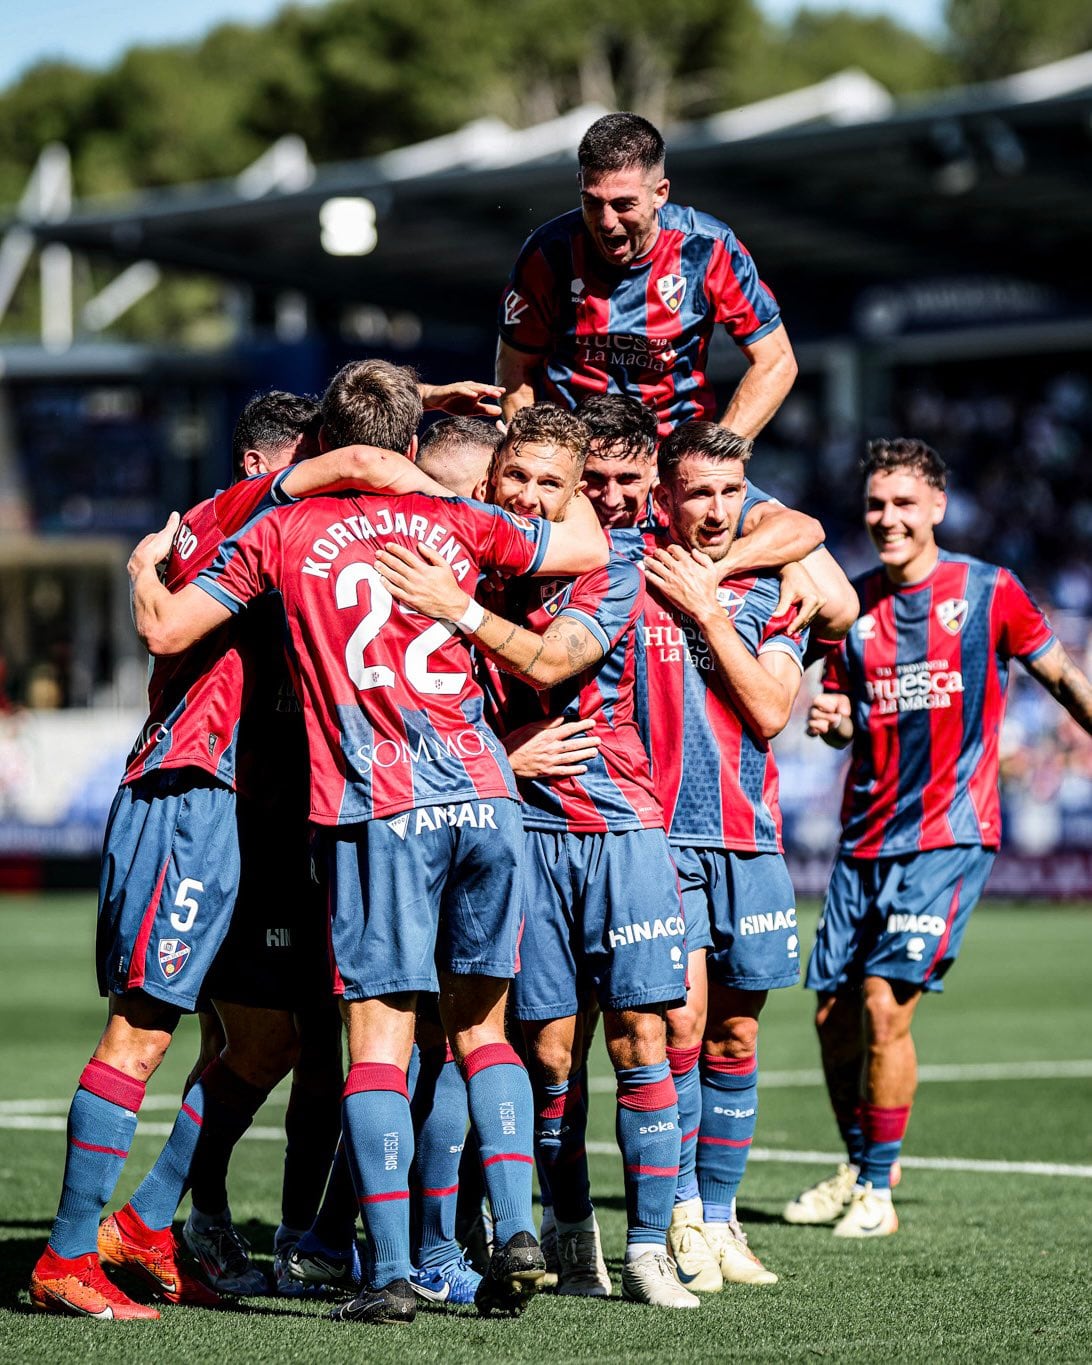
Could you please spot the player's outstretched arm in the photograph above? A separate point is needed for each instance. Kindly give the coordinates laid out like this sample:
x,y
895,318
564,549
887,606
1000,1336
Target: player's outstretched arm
x,y
831,718
762,690
366,468
424,581
776,536
770,375
463,398
168,622
516,372
1063,679
577,544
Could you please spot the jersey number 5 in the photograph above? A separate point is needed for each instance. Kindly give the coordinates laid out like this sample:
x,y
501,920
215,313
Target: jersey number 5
x,y
367,676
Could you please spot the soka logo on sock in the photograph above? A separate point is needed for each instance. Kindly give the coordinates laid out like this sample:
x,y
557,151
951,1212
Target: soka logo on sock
x,y
172,956
663,1126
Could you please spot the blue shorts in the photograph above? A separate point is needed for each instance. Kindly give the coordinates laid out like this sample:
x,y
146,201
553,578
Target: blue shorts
x,y
747,902
602,912
276,955
435,887
170,871
902,918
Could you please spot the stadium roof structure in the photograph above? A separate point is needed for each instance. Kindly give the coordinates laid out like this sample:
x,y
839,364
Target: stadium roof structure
x,y
837,188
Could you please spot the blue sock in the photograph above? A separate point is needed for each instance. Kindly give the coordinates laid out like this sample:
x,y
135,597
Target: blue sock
x,y
884,1130
378,1140
560,1123
687,1077
101,1122
649,1137
849,1125
156,1199
439,1128
729,1108
335,1225
502,1113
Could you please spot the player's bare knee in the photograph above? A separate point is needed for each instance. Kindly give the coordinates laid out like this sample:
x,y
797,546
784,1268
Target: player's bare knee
x,y
686,1025
736,1038
137,1034
636,1037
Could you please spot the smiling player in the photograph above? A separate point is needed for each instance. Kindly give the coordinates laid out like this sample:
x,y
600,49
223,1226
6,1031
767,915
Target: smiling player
x,y
918,689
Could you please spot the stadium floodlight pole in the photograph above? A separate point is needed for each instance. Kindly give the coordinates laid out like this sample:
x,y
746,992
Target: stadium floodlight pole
x,y
47,198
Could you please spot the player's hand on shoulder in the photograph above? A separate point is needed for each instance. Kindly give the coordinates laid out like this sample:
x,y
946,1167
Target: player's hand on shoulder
x,y
155,548
827,712
464,398
422,579
799,590
552,748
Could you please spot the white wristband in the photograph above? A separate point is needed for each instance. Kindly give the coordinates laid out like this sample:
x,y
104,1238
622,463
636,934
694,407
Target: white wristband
x,y
472,618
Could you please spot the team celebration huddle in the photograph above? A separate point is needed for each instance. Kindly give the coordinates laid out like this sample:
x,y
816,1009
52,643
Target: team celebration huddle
x,y
459,754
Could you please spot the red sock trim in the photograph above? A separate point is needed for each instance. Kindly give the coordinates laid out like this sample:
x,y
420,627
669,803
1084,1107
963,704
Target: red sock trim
x,y
672,1171
884,1125
508,1156
556,1108
384,1198
440,1194
192,1114
649,1096
365,1076
683,1060
90,1147
732,1066
490,1054
111,1084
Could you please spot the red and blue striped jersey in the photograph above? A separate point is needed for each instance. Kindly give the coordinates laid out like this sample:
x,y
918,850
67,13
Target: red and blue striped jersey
x,y
394,717
642,329
616,792
717,780
195,698
926,668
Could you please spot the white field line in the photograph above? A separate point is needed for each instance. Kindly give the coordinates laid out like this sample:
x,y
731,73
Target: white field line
x,y
55,1123
38,1115
969,1071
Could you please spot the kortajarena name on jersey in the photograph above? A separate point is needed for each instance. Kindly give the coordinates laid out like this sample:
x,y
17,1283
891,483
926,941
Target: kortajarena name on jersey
x,y
326,548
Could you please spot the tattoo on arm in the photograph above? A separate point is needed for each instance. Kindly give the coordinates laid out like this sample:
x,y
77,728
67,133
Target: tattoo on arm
x,y
1074,691
528,670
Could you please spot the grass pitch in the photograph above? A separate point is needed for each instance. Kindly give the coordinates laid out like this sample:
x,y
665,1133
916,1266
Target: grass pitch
x,y
988,1265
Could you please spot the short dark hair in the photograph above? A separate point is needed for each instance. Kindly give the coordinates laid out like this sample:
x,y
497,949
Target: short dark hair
x,y
372,403
700,438
617,141
547,424
622,423
905,452
460,431
271,421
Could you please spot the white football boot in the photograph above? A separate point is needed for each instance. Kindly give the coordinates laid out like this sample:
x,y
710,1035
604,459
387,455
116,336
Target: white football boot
x,y
696,1264
738,1263
825,1202
870,1214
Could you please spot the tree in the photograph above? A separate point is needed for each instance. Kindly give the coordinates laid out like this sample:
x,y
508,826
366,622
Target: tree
x,y
991,38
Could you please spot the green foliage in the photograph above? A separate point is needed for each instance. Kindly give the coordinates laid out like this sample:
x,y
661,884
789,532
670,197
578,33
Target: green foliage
x,y
991,38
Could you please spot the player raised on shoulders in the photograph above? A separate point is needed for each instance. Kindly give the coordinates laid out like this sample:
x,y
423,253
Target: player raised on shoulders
x,y
622,296
918,689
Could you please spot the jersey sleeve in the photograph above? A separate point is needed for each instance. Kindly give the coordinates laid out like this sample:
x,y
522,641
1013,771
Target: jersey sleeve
x,y
741,301
608,601
835,671
504,541
244,567
628,541
1022,631
529,302
244,500
775,639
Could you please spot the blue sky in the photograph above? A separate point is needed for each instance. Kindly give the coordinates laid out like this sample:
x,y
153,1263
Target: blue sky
x,y
95,32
